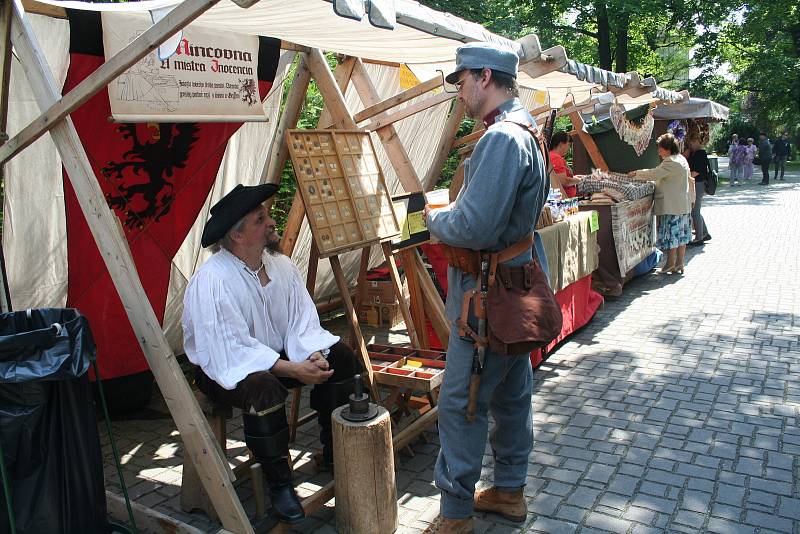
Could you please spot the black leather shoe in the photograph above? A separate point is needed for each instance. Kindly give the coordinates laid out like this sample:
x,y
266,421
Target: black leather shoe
x,y
707,238
286,505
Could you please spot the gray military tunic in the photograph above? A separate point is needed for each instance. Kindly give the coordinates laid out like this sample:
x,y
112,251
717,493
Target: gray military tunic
x,y
499,203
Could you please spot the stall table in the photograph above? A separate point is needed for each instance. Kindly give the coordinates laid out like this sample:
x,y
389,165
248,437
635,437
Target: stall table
x,y
626,239
572,251
572,255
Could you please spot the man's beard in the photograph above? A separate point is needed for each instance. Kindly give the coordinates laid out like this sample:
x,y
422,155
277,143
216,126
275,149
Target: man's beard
x,y
273,246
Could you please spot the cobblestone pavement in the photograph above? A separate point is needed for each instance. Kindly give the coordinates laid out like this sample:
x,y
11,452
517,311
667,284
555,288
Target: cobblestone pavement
x,y
675,410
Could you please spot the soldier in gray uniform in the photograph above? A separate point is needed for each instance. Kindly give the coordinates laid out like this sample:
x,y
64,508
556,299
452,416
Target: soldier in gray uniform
x,y
504,190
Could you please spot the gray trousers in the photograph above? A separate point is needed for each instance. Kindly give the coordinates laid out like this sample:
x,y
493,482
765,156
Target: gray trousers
x,y
505,391
780,163
700,230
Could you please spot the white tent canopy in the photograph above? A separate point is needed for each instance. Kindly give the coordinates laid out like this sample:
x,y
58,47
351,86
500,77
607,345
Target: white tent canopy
x,y
694,108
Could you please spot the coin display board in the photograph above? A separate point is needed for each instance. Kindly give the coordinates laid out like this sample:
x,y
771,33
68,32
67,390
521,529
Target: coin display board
x,y
346,199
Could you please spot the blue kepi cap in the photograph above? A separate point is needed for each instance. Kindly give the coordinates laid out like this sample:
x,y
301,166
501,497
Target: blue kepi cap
x,y
483,56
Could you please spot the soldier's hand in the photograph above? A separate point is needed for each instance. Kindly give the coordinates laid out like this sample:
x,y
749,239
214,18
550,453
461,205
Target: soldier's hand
x,y
309,372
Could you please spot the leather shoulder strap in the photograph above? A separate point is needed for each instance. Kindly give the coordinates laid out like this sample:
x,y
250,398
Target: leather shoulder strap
x,y
538,136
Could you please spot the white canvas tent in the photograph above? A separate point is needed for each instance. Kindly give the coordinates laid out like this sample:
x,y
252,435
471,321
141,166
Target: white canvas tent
x,y
693,108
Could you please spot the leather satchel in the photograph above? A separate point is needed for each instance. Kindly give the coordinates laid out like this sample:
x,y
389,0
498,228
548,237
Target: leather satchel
x,y
522,310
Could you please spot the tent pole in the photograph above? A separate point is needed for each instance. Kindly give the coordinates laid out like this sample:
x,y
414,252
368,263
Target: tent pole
x,y
214,471
342,74
394,101
278,150
5,87
388,135
588,141
444,147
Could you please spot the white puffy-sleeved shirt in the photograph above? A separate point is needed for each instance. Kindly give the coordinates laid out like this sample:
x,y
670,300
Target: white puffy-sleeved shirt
x,y
234,326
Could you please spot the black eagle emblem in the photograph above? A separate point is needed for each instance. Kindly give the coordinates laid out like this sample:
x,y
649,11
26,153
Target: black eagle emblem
x,y
153,159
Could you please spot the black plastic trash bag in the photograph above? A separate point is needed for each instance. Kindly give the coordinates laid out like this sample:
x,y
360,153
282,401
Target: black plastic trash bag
x,y
48,429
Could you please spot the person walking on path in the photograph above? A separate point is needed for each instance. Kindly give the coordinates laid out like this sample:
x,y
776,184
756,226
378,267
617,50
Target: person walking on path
x,y
738,160
504,190
735,168
671,202
751,156
781,154
764,156
699,169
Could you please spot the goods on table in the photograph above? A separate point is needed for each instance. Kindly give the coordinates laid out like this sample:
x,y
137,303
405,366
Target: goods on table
x,y
417,369
614,187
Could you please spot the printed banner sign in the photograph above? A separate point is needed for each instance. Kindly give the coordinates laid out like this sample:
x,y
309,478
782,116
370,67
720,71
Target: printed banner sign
x,y
212,76
634,229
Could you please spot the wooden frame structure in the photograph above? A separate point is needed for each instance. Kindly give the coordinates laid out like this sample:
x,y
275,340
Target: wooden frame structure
x,y
377,116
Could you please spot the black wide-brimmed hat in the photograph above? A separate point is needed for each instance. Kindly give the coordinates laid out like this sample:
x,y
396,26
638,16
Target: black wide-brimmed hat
x,y
239,202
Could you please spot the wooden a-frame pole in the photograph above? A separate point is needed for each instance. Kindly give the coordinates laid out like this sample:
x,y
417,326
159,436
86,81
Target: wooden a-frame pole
x,y
5,89
198,439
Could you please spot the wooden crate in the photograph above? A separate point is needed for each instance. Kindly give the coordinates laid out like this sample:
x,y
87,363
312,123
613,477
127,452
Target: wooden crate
x,y
390,366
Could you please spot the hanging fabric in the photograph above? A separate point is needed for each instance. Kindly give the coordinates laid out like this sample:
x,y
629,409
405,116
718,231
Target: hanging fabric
x,y
635,134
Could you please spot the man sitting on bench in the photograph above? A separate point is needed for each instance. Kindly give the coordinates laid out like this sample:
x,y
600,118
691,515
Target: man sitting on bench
x,y
252,328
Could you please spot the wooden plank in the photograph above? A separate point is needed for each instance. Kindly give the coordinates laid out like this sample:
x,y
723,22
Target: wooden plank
x,y
48,10
5,78
434,306
397,285
329,89
588,142
403,438
550,60
278,151
398,156
293,224
408,111
183,14
361,287
361,348
444,146
342,74
415,296
200,444
399,98
147,519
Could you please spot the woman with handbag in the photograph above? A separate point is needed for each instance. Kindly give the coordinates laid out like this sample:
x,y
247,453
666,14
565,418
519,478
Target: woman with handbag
x,y
671,203
699,170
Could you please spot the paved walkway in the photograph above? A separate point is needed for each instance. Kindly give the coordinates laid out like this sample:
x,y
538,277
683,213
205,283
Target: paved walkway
x,y
677,409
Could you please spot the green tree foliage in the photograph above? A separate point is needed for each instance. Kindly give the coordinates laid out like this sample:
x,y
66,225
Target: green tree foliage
x,y
645,35
760,43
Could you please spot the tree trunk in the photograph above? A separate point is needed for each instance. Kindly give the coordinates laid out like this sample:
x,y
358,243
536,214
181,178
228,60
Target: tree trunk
x,y
603,35
623,22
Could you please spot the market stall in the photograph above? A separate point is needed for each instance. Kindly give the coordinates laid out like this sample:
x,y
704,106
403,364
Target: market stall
x,y
626,141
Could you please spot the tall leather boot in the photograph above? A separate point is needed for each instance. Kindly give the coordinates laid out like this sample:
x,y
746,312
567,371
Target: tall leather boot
x,y
325,398
267,436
